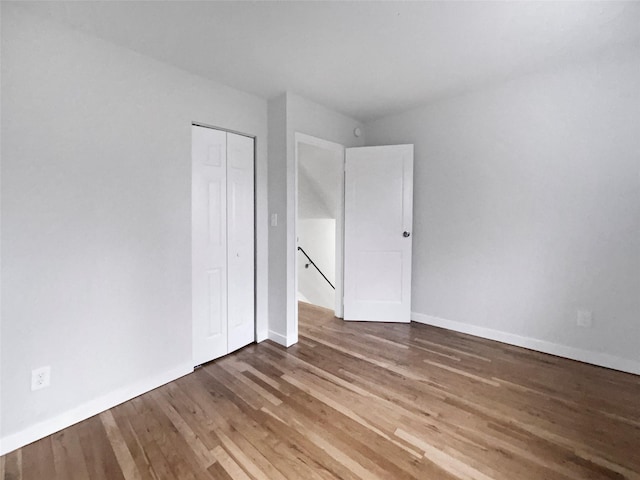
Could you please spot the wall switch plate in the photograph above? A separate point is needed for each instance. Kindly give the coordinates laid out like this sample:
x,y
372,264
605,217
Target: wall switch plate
x,y
585,319
274,219
40,378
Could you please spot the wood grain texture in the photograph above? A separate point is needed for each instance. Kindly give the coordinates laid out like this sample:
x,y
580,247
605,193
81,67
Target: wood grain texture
x,y
360,401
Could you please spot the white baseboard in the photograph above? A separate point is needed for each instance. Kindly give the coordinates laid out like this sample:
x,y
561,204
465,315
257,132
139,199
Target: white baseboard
x,y
281,339
261,336
278,338
89,409
587,356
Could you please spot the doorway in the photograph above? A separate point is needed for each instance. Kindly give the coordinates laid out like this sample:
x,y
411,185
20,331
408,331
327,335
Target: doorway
x,y
319,222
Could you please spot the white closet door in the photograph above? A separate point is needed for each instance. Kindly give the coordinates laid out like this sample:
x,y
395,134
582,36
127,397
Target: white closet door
x,y
240,224
209,244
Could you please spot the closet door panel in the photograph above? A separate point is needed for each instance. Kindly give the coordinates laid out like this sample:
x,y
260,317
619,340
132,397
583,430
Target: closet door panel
x,y
240,241
209,244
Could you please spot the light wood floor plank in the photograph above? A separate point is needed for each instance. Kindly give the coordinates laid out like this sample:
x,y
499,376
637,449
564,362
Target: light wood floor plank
x,y
360,401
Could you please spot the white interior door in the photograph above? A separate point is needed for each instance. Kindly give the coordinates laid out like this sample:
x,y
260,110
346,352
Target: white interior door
x,y
377,237
209,243
240,267
223,267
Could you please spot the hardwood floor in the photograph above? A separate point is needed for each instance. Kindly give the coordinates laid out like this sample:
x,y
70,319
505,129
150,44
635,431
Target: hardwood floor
x,y
361,401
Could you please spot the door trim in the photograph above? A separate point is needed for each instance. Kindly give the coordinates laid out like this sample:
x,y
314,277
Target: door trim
x,y
213,127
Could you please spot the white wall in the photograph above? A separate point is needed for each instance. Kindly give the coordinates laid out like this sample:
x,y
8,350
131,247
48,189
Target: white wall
x,y
277,112
291,113
527,208
310,201
96,195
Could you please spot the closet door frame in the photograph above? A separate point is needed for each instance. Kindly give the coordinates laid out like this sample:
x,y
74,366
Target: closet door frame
x,y
198,358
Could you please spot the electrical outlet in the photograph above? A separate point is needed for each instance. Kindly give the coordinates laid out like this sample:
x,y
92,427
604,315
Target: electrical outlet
x,y
585,319
274,219
40,378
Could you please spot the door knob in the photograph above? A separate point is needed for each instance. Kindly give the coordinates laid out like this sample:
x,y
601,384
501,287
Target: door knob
x,y
406,234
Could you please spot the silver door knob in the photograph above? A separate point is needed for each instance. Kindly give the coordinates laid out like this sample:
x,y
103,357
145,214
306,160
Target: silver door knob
x,y
406,234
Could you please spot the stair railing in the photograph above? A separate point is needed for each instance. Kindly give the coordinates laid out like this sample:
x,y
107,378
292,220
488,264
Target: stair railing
x,y
311,262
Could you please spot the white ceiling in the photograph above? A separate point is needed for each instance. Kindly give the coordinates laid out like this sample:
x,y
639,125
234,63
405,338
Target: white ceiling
x,y
365,59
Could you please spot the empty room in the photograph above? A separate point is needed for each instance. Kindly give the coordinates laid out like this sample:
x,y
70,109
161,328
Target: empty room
x,y
319,240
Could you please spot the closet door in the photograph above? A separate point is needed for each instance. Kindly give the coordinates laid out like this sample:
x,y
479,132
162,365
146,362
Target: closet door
x,y
240,241
222,243
209,244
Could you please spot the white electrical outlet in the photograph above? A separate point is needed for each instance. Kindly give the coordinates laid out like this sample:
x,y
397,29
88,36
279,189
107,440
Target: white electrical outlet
x,y
274,219
585,319
40,378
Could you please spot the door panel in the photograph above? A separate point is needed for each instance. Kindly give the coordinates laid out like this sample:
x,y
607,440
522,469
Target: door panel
x,y
377,255
240,218
209,244
373,287
214,297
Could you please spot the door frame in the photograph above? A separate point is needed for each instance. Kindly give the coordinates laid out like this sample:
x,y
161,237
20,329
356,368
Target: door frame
x,y
255,225
338,150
